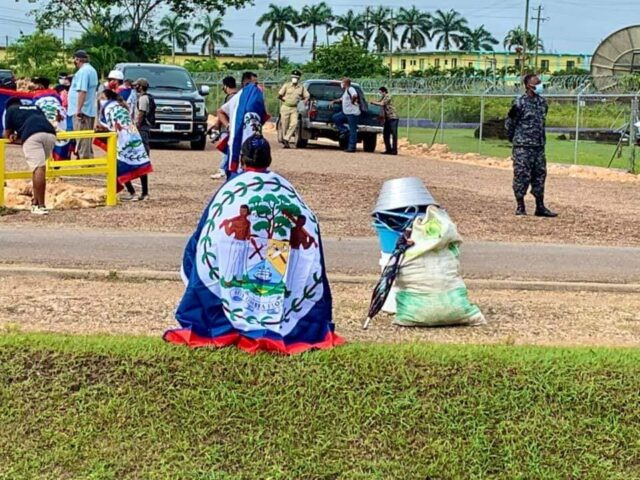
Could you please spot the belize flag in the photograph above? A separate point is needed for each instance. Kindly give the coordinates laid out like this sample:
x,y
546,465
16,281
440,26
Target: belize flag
x,y
247,113
254,272
51,105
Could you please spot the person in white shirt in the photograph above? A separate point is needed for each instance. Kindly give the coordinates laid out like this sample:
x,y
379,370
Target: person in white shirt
x,y
350,114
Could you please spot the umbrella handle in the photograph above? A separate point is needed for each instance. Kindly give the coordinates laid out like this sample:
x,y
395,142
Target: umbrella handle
x,y
366,323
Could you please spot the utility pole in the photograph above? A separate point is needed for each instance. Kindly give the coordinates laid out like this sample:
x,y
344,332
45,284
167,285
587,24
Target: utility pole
x,y
253,46
525,34
393,28
63,34
538,19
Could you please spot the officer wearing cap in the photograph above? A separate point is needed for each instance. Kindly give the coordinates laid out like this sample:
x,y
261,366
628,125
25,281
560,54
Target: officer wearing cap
x,y
290,94
83,104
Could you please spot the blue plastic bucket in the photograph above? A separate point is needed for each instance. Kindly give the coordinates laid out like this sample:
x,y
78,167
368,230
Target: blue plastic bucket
x,y
387,237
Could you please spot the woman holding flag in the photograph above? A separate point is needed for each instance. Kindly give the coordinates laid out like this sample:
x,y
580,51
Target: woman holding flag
x,y
133,160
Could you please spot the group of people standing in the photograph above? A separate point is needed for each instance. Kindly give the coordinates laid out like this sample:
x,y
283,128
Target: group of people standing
x,y
80,102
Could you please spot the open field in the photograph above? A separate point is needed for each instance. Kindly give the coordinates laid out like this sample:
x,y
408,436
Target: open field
x,y
123,407
342,189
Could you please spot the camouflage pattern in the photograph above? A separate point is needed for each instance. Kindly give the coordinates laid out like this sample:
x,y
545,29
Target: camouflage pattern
x,y
526,121
526,129
529,168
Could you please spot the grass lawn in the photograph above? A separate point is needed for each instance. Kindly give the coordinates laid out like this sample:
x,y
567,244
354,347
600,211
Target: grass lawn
x,y
135,408
558,151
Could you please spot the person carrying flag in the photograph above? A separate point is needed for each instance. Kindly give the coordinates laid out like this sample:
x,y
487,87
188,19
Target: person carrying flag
x,y
241,287
244,115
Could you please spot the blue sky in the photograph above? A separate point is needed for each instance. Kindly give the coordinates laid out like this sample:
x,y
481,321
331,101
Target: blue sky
x,y
573,26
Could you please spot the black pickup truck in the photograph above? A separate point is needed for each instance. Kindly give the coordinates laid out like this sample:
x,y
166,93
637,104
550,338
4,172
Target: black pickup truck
x,y
181,114
315,117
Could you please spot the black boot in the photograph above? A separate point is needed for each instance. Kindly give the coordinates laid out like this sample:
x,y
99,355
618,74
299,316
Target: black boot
x,y
521,210
542,211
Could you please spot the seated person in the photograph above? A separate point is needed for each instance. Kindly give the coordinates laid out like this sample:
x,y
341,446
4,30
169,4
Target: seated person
x,y
254,268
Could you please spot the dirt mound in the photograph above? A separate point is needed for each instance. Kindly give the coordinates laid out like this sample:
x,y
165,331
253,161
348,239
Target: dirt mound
x,y
442,152
60,195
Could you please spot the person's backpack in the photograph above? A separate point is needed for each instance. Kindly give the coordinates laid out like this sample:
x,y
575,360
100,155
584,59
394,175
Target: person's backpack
x,y
150,117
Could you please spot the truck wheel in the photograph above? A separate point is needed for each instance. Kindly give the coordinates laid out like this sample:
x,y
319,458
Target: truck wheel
x,y
369,142
300,141
199,144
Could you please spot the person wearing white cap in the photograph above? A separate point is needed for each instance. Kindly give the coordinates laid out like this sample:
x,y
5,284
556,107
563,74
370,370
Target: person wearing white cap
x,y
114,80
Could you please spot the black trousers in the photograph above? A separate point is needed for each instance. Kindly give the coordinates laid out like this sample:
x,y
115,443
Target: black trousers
x,y
390,135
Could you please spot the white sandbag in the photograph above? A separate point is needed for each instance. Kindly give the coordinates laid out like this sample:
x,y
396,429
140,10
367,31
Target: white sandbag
x,y
431,291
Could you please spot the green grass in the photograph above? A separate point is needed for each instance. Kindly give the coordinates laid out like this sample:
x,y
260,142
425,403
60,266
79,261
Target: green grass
x,y
558,151
135,408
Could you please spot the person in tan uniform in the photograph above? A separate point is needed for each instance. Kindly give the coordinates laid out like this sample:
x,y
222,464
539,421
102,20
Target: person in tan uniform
x,y
290,94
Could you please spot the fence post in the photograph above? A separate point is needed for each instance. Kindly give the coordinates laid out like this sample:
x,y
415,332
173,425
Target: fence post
x,y
112,170
575,146
408,115
442,119
2,167
632,134
481,128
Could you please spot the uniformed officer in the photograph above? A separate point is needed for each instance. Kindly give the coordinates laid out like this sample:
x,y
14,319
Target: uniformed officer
x,y
290,94
526,129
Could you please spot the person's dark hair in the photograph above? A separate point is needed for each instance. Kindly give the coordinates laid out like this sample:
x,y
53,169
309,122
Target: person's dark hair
x,y
256,152
44,81
110,94
60,88
247,76
12,102
527,78
229,82
383,90
128,81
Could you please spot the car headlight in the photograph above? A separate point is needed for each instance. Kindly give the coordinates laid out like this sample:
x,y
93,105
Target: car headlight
x,y
200,109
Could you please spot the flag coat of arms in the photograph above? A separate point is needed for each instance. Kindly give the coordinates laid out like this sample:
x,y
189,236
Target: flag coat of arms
x,y
133,161
254,272
247,114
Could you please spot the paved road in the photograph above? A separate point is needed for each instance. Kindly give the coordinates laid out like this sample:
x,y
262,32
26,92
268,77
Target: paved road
x,y
486,260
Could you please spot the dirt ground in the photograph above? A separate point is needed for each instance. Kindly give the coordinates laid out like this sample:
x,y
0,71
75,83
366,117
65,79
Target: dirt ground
x,y
49,304
342,189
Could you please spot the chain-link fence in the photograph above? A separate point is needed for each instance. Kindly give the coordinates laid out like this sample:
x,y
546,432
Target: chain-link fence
x,y
467,114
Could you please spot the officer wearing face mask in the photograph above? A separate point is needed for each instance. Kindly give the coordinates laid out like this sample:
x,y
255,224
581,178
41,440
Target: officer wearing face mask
x,y
526,130
290,94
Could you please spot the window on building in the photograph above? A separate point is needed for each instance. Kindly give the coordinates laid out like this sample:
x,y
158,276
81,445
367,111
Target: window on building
x,y
403,64
446,62
571,64
422,64
470,65
454,63
544,65
436,63
413,63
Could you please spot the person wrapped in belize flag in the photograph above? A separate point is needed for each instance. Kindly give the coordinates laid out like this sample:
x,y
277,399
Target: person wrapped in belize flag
x,y
254,268
242,115
133,160
49,101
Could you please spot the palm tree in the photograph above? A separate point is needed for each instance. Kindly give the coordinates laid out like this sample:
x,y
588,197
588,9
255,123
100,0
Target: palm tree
x,y
417,27
514,40
478,40
211,32
350,26
176,32
449,27
382,28
280,20
367,31
312,17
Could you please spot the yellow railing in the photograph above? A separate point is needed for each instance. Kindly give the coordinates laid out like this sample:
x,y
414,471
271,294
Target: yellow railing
x,y
64,168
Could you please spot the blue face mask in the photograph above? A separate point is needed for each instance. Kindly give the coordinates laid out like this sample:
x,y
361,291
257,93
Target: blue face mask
x,y
538,89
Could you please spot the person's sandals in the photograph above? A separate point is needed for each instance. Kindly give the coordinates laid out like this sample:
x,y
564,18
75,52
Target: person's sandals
x,y
129,197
